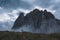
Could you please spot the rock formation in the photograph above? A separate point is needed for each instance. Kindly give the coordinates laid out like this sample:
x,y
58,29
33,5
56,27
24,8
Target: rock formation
x,y
41,21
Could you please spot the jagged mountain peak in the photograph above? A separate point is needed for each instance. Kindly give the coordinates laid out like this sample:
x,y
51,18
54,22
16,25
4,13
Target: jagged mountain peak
x,y
37,21
34,18
36,10
43,13
21,14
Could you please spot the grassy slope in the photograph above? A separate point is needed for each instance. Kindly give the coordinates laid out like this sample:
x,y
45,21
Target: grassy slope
x,y
27,36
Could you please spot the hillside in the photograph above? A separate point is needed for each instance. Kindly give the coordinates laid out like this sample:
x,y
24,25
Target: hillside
x,y
27,36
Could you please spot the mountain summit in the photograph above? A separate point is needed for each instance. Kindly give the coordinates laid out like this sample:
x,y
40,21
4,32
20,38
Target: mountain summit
x,y
39,20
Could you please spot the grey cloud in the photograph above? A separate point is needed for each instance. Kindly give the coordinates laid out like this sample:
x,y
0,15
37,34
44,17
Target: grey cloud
x,y
6,25
43,3
14,4
27,4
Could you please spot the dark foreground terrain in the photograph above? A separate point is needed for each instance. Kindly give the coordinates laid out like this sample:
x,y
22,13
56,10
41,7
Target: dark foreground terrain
x,y
27,36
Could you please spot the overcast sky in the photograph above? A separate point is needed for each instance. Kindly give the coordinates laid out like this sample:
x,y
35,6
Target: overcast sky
x,y
9,9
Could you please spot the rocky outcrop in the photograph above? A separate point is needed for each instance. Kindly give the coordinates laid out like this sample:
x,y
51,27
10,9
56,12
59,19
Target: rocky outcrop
x,y
19,21
38,20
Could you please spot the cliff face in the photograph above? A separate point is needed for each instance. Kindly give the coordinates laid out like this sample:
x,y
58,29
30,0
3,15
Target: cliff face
x,y
38,21
19,21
